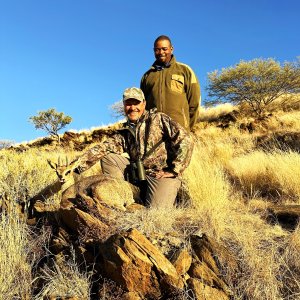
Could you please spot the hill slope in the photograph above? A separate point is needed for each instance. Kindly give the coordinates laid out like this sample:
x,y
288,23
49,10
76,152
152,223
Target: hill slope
x,y
243,171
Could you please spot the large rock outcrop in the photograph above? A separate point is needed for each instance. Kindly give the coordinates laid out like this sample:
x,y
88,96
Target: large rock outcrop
x,y
131,260
88,225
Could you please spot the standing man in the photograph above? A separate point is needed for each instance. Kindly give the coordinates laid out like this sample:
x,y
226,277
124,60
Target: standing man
x,y
159,150
170,86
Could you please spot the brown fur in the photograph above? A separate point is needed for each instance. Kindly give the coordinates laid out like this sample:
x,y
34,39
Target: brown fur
x,y
111,191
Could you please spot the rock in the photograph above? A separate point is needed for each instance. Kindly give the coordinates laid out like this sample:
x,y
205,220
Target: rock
x,y
131,260
60,241
88,227
31,221
134,207
69,136
285,210
202,272
114,192
212,260
204,292
214,255
205,251
131,296
181,260
42,207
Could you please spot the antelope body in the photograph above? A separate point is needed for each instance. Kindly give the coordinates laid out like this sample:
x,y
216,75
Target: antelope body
x,y
116,193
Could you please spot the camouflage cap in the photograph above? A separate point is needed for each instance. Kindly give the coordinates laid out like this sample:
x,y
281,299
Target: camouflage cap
x,y
133,93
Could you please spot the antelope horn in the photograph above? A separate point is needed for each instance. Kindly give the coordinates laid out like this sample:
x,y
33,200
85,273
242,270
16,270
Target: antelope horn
x,y
67,162
58,161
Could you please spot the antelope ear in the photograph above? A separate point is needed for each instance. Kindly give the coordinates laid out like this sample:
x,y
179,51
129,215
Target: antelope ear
x,y
51,164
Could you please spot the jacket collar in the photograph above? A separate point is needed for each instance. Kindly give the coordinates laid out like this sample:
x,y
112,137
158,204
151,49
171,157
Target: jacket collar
x,y
158,66
127,124
143,117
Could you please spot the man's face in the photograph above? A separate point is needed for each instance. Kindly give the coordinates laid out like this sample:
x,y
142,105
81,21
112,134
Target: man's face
x,y
163,51
134,109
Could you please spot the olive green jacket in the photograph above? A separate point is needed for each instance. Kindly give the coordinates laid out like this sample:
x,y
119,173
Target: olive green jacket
x,y
172,155
174,90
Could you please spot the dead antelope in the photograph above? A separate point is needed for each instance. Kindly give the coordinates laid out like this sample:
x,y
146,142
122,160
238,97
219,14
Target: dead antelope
x,y
64,172
113,192
65,179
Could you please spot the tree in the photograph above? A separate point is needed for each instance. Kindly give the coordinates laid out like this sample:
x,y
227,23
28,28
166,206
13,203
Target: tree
x,y
117,109
257,82
51,121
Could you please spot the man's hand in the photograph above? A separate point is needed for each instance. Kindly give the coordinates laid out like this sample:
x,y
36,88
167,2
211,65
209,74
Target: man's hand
x,y
164,174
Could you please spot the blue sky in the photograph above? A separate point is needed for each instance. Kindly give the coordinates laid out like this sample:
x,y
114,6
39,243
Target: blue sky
x,y
78,56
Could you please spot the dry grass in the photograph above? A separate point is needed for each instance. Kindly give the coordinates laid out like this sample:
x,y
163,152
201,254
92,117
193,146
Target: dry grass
x,y
256,245
213,113
23,175
222,145
286,103
285,121
162,230
274,175
291,262
15,268
64,280
224,216
210,192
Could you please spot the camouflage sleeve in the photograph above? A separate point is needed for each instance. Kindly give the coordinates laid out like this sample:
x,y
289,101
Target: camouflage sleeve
x,y
114,144
179,145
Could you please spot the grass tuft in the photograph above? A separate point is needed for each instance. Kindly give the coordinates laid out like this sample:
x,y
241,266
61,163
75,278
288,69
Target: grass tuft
x,y
15,269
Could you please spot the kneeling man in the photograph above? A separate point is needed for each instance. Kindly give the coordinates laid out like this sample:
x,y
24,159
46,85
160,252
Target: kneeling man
x,y
150,150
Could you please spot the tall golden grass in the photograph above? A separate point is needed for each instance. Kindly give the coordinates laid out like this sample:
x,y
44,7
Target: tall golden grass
x,y
290,120
64,280
15,267
24,174
275,174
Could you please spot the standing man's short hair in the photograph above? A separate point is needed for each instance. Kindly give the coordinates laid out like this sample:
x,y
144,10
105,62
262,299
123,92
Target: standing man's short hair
x,y
163,38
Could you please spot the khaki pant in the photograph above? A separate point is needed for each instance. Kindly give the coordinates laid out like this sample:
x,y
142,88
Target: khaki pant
x,y
160,193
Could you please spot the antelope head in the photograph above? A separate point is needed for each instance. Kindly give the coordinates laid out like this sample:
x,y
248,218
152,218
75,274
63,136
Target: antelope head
x,y
64,171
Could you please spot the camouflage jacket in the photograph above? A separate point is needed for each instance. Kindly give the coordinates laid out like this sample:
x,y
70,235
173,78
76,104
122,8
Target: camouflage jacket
x,y
172,155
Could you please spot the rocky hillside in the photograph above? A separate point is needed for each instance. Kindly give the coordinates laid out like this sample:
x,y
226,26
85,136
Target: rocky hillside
x,y
238,212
